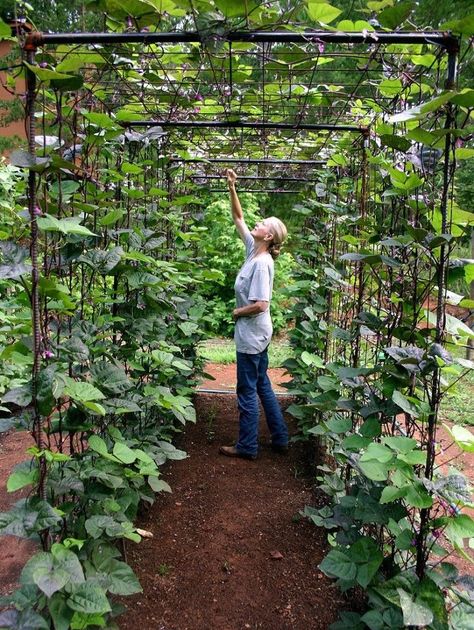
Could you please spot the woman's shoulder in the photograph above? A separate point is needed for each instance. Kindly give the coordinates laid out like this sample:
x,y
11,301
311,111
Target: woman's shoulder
x,y
263,261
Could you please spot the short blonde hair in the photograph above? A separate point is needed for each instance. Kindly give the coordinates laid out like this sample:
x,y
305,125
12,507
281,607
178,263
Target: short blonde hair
x,y
279,231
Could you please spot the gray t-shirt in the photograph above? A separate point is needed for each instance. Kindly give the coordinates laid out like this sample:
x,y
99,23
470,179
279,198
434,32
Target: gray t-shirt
x,y
254,282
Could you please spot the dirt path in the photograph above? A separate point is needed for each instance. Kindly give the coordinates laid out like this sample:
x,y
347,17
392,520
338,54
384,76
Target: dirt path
x,y
14,552
230,550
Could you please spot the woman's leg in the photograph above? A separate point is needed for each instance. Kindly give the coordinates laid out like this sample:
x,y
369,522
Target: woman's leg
x,y
273,413
247,375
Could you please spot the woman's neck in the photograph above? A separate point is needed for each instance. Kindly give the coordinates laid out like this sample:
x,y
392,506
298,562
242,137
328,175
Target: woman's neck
x,y
260,247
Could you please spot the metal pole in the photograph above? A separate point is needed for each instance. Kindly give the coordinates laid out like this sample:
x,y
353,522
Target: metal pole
x,y
259,178
253,190
35,305
237,124
249,161
308,37
421,551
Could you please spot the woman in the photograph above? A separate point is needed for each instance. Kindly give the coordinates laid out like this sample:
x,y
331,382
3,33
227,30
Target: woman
x,y
253,331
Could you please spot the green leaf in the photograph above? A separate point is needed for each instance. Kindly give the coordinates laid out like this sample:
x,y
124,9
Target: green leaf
x,y
123,580
462,436
356,442
378,452
465,98
464,26
339,425
23,159
322,12
456,327
354,27
68,84
338,564
20,396
101,120
158,485
391,493
417,496
112,378
45,74
60,613
368,558
89,598
404,540
418,111
24,474
415,458
464,154
97,409
459,527
98,445
232,9
52,581
402,401
28,517
392,17
81,391
400,443
124,453
395,142
112,217
372,469
5,30
68,560
311,359
414,614
70,225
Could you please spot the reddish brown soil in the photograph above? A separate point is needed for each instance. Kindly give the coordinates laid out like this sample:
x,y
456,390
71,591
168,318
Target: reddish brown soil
x,y
229,548
14,552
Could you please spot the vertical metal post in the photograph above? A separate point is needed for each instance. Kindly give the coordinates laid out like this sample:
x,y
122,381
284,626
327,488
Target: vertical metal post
x,y
450,121
363,212
35,305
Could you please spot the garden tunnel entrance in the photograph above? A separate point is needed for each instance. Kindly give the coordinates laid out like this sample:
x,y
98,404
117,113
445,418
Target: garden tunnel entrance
x,y
126,133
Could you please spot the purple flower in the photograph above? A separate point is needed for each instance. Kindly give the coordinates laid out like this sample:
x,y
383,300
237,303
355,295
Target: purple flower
x,y
47,354
43,64
37,211
321,48
198,97
436,533
413,542
196,110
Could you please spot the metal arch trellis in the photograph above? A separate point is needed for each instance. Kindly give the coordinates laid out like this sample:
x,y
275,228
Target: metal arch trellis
x,y
445,42
347,299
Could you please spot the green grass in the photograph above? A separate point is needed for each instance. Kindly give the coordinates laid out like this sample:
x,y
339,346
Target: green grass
x,y
458,404
223,351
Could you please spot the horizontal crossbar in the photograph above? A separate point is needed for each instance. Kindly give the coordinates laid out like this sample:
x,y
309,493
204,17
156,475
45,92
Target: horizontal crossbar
x,y
237,124
230,160
258,178
380,37
277,191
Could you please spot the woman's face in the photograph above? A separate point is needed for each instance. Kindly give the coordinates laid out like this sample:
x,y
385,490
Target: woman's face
x,y
261,231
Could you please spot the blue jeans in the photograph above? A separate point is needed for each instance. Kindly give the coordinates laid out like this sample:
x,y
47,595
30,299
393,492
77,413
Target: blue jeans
x,y
252,379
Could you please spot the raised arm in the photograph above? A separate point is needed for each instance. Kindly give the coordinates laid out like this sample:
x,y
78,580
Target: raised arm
x,y
237,214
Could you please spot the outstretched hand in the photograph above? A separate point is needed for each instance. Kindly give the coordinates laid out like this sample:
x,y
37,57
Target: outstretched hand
x,y
231,177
